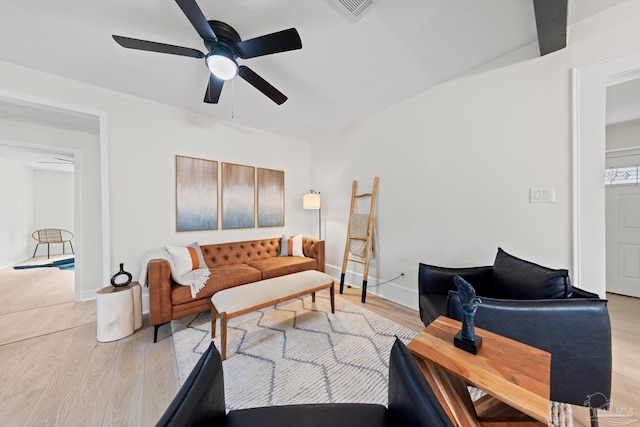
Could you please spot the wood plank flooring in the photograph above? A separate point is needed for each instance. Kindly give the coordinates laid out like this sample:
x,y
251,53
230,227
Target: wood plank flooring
x,y
53,372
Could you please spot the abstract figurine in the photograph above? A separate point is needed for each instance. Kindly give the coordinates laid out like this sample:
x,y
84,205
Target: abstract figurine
x,y
466,338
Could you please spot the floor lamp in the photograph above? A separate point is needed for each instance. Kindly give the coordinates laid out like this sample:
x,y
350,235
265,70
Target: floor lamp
x,y
311,200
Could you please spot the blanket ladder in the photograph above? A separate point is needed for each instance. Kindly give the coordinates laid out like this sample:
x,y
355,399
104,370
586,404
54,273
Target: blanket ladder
x,y
368,239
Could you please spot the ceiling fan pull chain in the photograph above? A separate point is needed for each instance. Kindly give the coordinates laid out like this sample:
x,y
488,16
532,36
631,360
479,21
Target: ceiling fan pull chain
x,y
233,104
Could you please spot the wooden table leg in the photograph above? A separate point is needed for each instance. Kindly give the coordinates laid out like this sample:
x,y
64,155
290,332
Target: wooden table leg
x,y
452,393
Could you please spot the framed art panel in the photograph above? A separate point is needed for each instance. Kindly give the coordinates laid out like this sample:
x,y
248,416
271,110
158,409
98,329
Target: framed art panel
x,y
270,198
196,194
238,196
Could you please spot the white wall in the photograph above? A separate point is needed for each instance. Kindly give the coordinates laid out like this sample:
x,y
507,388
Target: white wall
x,y
456,163
142,139
623,135
53,205
16,212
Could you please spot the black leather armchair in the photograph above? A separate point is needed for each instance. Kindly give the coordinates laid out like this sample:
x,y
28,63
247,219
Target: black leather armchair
x,y
537,306
200,401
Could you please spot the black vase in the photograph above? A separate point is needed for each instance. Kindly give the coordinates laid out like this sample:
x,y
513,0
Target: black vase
x,y
116,284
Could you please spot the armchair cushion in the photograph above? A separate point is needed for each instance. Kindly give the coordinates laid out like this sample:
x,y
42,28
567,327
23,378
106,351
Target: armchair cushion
x,y
514,278
310,415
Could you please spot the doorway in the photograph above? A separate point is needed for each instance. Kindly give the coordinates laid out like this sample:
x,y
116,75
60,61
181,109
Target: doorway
x,y
589,86
46,125
622,213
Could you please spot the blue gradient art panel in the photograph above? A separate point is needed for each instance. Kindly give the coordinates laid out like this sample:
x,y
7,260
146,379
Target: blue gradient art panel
x,y
238,196
196,194
270,198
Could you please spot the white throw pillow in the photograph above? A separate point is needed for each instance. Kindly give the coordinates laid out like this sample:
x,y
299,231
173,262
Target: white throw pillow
x,y
291,246
185,259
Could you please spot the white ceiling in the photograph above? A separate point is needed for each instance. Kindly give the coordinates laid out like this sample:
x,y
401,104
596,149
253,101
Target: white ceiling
x,y
41,159
345,71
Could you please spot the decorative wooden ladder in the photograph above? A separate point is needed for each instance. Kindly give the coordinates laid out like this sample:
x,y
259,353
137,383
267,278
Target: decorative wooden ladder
x,y
368,239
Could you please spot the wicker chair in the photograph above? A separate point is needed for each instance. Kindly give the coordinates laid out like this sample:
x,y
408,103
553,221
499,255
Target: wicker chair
x,y
52,235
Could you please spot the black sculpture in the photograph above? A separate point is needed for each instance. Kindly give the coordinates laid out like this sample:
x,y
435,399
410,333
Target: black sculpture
x,y
115,281
466,339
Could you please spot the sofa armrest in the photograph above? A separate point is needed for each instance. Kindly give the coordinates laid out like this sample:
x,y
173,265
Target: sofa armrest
x,y
159,283
314,248
577,333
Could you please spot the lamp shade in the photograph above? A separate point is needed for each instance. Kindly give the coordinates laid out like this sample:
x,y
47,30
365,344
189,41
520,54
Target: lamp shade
x,y
311,201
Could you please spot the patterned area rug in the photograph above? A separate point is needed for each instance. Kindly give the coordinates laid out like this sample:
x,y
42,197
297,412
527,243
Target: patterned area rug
x,y
299,352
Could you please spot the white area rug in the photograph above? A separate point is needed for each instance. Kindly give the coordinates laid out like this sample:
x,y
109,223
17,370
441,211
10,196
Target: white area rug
x,y
299,352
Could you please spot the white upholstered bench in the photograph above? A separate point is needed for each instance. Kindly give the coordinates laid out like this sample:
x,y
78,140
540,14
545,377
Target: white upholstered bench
x,y
239,300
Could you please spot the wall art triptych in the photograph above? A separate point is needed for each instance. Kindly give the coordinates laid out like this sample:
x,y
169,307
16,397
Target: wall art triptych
x,y
245,193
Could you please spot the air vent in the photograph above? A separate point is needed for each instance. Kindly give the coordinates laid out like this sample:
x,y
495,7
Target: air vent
x,y
352,9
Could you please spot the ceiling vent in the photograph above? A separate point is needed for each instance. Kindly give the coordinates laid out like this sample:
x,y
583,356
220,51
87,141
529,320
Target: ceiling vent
x,y
352,9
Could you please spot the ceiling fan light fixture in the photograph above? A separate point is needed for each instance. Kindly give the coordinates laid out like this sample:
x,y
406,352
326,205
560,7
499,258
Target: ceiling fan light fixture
x,y
222,66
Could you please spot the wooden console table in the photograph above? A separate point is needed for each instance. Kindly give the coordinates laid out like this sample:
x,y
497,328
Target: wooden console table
x,y
515,377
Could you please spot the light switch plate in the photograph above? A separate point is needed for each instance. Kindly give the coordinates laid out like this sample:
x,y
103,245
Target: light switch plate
x,y
542,195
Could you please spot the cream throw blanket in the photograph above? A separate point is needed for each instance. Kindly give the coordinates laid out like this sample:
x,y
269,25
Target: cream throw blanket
x,y
359,226
195,279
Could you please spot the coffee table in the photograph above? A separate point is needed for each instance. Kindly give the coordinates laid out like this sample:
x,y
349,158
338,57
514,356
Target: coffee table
x,y
515,377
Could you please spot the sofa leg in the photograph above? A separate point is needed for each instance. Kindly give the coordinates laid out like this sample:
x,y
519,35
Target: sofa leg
x,y
155,332
594,417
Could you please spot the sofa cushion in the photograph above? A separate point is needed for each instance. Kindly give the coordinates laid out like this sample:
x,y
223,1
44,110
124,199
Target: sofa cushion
x,y
279,266
219,254
226,276
514,278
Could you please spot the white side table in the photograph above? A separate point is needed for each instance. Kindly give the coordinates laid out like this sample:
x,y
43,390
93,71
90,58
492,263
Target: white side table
x,y
118,311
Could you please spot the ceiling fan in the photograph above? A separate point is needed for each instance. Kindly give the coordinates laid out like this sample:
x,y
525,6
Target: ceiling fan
x,y
224,45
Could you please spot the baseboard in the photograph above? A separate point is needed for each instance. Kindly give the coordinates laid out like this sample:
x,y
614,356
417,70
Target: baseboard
x,y
391,290
13,262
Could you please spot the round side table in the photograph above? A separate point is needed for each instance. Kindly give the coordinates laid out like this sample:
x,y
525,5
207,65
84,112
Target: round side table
x,y
118,311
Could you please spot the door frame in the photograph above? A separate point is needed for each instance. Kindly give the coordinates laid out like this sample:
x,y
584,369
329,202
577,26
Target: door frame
x,y
589,86
83,290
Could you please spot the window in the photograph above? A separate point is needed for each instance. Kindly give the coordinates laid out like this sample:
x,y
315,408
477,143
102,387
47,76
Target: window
x,y
617,176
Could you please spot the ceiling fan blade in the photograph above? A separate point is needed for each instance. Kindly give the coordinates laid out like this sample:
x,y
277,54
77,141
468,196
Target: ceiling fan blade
x,y
261,84
64,160
197,19
281,41
157,47
212,95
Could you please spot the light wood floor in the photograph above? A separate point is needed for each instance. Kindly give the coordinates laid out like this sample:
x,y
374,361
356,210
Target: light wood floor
x,y
53,372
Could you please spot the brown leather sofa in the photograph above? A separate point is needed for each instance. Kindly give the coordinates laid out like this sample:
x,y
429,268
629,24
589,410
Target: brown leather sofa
x,y
231,264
